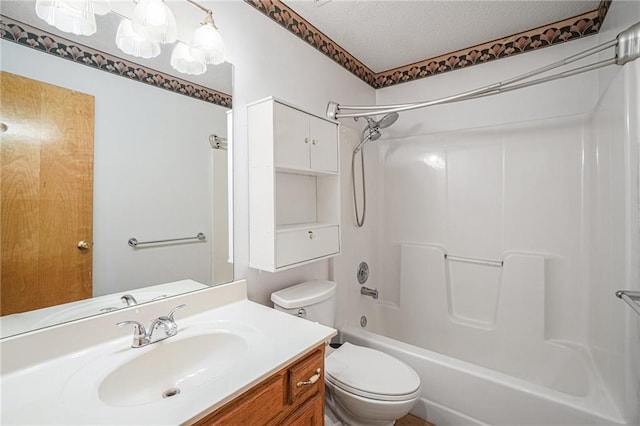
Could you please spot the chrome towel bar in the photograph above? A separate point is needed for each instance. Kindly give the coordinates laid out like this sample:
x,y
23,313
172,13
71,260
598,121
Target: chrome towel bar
x,y
133,242
631,297
487,262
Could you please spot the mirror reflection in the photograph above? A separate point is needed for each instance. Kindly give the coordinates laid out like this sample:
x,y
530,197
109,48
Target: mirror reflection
x,y
90,160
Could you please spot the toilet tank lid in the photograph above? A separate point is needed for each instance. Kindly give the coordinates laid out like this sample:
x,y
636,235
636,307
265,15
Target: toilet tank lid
x,y
304,294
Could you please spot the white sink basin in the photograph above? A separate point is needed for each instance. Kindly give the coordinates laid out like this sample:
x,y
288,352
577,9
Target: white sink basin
x,y
172,368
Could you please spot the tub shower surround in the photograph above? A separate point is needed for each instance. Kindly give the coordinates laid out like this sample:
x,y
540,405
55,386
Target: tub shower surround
x,y
500,251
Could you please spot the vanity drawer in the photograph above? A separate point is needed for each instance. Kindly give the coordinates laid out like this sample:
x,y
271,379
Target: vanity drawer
x,y
306,377
301,245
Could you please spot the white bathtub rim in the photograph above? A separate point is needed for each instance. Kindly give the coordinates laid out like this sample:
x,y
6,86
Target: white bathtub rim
x,y
606,410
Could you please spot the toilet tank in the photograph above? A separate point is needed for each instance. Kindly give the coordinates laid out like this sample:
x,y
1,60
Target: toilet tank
x,y
314,300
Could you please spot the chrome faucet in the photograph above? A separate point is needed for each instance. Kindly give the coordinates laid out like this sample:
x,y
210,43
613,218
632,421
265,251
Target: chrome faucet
x,y
129,300
164,324
369,292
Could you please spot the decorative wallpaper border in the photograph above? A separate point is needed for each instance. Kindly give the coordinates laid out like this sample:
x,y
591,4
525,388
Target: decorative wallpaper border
x,y
28,36
559,32
289,19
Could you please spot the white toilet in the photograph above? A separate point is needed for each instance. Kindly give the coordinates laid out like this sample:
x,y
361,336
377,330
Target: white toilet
x,y
363,386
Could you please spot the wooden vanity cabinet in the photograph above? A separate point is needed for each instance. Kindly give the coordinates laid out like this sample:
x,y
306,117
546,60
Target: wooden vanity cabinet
x,y
279,399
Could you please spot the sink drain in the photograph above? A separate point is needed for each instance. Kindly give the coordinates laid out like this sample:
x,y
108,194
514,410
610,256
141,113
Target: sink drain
x,y
170,392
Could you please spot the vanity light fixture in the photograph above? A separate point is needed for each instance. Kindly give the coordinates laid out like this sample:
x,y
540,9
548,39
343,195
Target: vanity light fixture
x,y
132,43
207,45
71,16
152,24
153,20
182,61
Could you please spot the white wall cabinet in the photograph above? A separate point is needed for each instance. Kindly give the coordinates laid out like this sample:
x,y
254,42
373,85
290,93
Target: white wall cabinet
x,y
294,186
304,142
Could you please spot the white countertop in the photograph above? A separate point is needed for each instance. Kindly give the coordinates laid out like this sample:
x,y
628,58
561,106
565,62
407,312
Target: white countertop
x,y
64,389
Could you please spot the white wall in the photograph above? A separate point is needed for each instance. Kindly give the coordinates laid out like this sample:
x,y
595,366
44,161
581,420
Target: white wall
x,y
152,171
269,61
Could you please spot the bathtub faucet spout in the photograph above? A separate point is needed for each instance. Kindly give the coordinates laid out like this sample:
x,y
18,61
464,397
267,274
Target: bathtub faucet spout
x,y
369,292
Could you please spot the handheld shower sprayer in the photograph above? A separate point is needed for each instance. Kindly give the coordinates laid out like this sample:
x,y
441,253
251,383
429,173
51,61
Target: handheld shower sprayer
x,y
373,128
370,133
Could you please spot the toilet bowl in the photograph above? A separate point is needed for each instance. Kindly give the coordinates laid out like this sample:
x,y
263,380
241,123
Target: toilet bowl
x,y
364,386
367,387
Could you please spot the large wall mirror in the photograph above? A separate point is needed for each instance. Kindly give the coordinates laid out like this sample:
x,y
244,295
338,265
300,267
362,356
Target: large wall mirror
x,y
92,159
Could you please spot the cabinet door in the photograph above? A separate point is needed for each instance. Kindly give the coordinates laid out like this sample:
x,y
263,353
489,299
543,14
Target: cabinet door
x,y
291,133
311,413
324,145
258,406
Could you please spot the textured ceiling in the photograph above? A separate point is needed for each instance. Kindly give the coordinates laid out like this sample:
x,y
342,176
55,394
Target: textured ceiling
x,y
385,34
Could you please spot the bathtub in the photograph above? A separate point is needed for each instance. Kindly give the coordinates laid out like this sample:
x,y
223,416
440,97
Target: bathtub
x,y
456,392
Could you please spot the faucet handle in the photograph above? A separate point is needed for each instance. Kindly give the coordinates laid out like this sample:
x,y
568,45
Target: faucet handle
x,y
137,327
140,337
173,311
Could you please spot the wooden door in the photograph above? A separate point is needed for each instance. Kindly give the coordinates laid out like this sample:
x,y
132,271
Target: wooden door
x,y
46,191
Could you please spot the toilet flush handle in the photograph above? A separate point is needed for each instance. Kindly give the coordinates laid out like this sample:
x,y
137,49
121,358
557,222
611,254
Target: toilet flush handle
x,y
311,380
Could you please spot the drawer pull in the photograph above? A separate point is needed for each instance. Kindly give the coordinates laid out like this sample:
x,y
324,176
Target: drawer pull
x,y
311,380
311,235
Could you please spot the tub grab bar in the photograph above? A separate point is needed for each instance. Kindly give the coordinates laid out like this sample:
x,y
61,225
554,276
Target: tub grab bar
x,y
631,297
133,242
488,262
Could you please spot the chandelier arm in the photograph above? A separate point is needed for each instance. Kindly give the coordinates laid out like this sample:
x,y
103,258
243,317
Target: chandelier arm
x,y
201,7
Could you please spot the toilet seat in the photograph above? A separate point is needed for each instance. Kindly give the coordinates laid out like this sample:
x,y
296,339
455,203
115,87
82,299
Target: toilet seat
x,y
371,374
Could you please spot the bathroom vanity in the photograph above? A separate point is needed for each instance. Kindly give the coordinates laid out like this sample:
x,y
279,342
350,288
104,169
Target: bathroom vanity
x,y
229,363
292,396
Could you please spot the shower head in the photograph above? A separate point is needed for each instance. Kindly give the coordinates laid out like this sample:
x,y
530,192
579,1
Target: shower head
x,y
388,120
372,131
384,122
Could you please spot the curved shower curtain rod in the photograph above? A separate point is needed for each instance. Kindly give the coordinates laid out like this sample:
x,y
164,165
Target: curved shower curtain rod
x,y
627,45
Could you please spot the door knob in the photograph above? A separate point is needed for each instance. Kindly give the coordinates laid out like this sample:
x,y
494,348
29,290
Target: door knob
x,y
83,245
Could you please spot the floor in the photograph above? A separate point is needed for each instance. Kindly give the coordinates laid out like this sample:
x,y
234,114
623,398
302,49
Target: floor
x,y
411,420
